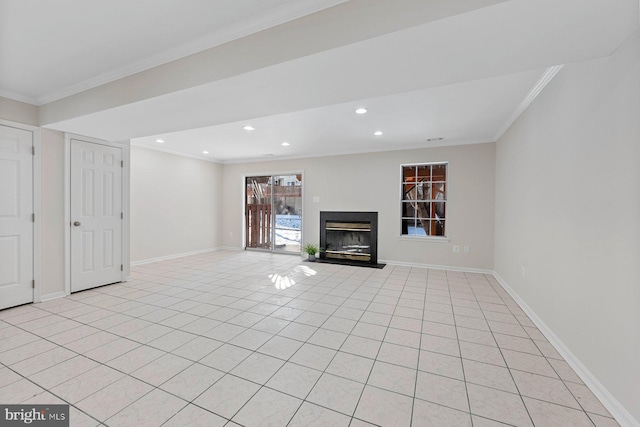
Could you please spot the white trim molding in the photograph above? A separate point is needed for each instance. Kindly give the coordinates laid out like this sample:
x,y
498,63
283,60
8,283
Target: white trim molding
x,y
36,174
174,256
134,143
546,77
126,174
37,210
54,295
273,17
436,267
242,214
430,239
619,412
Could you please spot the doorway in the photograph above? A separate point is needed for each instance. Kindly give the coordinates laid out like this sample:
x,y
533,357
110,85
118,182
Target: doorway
x,y
18,188
273,213
96,214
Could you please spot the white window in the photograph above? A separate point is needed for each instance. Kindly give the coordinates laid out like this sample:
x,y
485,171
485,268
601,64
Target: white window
x,y
424,199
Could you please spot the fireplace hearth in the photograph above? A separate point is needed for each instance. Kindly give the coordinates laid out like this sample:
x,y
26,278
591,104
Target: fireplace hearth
x,y
349,238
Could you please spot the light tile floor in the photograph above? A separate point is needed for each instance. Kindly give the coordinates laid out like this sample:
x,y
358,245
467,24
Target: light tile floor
x,y
256,339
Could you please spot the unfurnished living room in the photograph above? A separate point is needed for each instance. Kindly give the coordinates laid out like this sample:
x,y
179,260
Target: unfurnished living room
x,y
320,213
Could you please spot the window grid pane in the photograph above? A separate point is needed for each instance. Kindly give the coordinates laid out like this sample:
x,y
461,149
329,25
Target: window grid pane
x,y
424,196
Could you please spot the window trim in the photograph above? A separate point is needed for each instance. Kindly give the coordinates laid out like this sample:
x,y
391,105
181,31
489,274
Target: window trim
x,y
435,239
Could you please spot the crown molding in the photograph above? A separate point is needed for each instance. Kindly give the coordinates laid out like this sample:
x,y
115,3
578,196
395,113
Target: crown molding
x,y
176,153
403,147
14,96
546,77
253,24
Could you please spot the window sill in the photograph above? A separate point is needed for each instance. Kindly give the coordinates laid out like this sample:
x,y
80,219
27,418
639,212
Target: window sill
x,y
431,239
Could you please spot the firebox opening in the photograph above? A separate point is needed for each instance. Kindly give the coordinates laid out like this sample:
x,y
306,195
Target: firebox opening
x,y
349,237
348,240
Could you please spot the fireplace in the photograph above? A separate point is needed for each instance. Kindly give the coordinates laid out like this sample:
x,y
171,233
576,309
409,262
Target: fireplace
x,y
349,238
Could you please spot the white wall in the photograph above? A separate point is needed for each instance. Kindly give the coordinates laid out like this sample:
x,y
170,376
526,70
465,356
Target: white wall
x,y
175,204
52,213
350,22
371,182
568,211
52,197
19,111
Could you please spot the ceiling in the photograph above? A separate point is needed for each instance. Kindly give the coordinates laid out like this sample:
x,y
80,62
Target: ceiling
x,y
459,70
51,49
406,120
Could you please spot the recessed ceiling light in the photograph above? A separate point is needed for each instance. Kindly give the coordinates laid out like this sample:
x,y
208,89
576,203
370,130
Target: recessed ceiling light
x,y
249,127
205,152
378,133
434,139
161,141
285,144
361,110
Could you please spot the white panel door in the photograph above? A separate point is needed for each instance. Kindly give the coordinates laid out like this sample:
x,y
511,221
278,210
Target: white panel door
x,y
16,221
96,209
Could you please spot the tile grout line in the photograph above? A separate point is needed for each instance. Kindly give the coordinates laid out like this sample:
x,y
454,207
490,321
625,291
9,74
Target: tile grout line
x,y
238,284
504,359
415,385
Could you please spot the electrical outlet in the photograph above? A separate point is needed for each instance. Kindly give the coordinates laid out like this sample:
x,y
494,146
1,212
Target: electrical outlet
x,y
524,273
316,199
466,249
456,248
231,234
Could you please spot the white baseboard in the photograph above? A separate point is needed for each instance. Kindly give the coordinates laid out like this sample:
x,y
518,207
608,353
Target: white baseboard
x,y
166,257
436,267
55,295
619,412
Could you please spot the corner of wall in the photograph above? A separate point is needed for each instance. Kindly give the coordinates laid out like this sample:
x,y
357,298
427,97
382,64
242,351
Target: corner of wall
x,y
616,409
19,112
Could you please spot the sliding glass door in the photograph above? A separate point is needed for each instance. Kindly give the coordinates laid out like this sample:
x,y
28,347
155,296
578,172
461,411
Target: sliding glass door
x,y
273,212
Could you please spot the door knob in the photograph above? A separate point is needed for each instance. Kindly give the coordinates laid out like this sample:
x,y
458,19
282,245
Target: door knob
x,y
77,223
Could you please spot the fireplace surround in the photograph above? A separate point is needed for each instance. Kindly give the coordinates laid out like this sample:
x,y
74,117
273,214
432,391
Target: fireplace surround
x,y
349,238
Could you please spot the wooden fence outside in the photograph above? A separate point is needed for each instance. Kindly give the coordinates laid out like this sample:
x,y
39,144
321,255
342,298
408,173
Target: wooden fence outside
x,y
258,226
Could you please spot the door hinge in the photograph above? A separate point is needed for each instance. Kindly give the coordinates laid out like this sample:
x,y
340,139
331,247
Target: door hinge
x,y
33,284
121,215
121,163
33,217
33,150
121,267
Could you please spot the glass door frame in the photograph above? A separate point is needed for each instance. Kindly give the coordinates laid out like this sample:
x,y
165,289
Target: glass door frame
x,y
272,249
